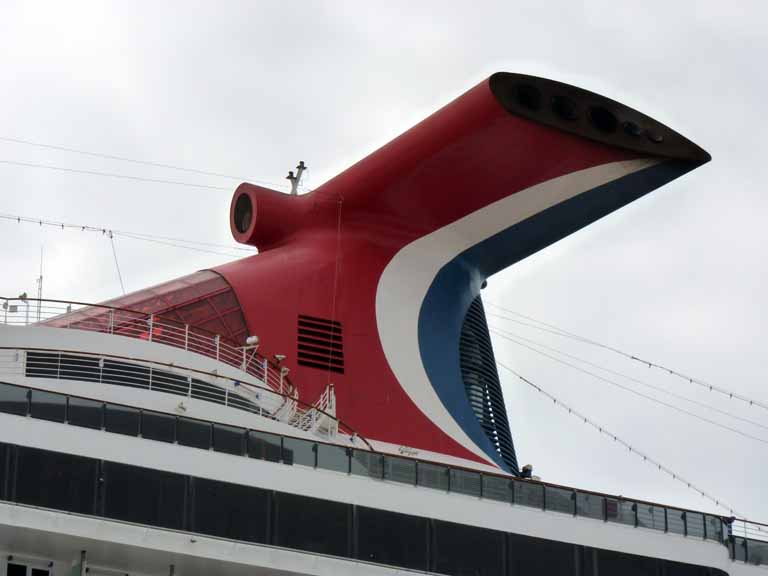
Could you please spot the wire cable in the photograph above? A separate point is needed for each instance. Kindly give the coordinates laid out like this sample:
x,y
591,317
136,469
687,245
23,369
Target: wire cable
x,y
136,161
573,412
166,240
631,378
114,253
550,328
636,393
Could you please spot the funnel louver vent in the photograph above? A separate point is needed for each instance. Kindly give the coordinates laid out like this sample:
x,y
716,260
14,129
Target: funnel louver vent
x,y
320,344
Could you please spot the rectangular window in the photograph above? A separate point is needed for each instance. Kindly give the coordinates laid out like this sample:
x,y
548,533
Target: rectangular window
x,y
676,521
195,433
124,374
649,516
158,426
230,510
297,451
42,365
84,412
529,494
392,539
621,511
14,569
465,482
497,488
695,521
121,419
144,496
625,564
714,528
333,458
400,469
206,391
264,446
533,556
367,464
432,476
169,382
14,399
560,500
48,406
461,549
229,439
56,480
311,524
590,506
79,368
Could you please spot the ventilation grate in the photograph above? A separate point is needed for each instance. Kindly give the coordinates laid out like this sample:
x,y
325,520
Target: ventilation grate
x,y
481,383
320,344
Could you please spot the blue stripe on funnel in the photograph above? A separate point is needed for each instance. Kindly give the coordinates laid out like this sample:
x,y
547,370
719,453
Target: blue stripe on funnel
x,y
458,282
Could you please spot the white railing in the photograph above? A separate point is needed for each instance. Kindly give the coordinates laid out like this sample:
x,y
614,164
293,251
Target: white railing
x,y
162,330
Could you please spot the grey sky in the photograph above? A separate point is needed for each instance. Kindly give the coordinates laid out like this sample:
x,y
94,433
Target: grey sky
x,y
248,88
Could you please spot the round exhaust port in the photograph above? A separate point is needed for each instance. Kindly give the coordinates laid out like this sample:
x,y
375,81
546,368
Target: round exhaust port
x,y
243,213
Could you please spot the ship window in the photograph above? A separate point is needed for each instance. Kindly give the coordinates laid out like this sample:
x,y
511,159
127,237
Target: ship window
x,y
311,524
121,419
333,458
675,521
590,505
400,469
195,433
497,488
158,426
695,524
144,496
14,569
649,516
206,391
536,556
621,511
625,564
4,449
367,464
264,446
79,368
432,476
54,480
461,549
714,528
48,406
170,383
42,365
391,538
230,510
229,439
125,374
297,451
39,572
560,500
14,399
529,494
465,482
83,412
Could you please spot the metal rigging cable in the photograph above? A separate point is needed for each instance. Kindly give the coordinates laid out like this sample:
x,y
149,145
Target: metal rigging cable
x,y
114,253
675,476
631,378
138,161
544,327
635,392
165,240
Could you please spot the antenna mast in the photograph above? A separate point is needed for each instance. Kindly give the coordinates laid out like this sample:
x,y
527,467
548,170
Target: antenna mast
x,y
296,179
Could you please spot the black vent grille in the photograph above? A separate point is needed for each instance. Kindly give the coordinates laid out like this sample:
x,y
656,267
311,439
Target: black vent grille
x,y
481,382
320,344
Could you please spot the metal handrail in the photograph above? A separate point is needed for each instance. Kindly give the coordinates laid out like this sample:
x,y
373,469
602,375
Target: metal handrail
x,y
146,326
306,408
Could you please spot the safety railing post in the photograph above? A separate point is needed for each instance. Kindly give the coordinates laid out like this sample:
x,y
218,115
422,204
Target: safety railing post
x,y
111,321
186,336
216,340
245,359
266,368
189,386
151,325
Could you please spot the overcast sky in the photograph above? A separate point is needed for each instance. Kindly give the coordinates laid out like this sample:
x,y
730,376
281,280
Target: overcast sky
x,y
249,88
